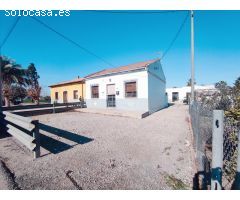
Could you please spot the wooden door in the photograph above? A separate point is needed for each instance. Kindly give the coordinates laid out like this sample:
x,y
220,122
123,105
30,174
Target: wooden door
x,y
65,100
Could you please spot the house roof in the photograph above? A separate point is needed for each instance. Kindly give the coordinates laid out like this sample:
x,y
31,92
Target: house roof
x,y
77,80
126,68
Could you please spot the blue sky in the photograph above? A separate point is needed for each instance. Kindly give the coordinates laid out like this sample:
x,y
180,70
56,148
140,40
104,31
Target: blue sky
x,y
127,38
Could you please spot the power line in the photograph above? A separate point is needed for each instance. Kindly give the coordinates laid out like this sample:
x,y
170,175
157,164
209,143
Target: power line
x,y
134,12
9,32
71,41
175,37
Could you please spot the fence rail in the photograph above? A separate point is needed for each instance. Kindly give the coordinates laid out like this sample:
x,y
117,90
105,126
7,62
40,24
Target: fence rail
x,y
80,104
25,130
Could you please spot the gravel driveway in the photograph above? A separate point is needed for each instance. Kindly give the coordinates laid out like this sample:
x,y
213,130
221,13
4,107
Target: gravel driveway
x,y
93,151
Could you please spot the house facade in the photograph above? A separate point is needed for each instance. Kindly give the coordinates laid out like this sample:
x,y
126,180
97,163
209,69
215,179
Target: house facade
x,y
178,94
68,91
136,87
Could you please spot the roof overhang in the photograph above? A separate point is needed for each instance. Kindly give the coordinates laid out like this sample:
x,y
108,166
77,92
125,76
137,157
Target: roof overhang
x,y
116,73
67,83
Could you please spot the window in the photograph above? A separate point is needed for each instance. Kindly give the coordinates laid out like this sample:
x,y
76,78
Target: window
x,y
130,89
56,95
95,91
75,94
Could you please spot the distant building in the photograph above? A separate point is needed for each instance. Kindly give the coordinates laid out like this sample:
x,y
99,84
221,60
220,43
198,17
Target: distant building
x,y
68,91
180,93
135,87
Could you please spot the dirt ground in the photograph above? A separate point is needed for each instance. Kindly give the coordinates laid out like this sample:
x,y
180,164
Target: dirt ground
x,y
93,151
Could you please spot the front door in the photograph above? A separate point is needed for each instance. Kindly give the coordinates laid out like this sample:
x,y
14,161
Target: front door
x,y
111,96
65,100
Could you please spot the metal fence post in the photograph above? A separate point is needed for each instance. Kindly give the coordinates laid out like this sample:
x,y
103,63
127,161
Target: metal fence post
x,y
54,107
217,150
236,183
36,135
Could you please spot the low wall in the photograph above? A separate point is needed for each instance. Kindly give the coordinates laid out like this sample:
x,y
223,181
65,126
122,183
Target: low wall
x,y
29,113
131,104
21,107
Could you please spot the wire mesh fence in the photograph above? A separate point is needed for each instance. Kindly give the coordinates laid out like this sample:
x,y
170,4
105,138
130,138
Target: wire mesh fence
x,y
201,122
230,151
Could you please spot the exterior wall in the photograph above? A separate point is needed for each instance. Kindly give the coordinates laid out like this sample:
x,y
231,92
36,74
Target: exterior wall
x,y
80,87
181,93
184,90
156,88
139,103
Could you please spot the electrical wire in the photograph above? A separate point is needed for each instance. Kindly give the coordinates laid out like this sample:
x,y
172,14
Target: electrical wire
x,y
10,32
104,11
71,41
175,37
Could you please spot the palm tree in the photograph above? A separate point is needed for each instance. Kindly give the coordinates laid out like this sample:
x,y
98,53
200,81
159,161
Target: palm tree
x,y
12,73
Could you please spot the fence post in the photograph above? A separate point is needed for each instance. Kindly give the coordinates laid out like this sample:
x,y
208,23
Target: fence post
x,y
236,183
217,150
3,128
36,135
53,106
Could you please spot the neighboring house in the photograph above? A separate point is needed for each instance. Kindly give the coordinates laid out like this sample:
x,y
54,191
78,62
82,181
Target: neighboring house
x,y
68,91
180,93
135,87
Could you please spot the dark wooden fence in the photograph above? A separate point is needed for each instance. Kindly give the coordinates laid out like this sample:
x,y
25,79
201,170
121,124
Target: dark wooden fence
x,y
79,104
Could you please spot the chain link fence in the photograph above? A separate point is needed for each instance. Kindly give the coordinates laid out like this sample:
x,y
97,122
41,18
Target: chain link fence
x,y
230,151
201,121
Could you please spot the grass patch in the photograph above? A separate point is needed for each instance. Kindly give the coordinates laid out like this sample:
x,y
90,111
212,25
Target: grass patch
x,y
175,183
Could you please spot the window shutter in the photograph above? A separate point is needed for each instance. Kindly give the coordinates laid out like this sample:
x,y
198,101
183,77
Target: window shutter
x,y
95,89
131,87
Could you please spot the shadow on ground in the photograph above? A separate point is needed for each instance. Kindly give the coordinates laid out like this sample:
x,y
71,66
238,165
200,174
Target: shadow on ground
x,y
55,146
201,180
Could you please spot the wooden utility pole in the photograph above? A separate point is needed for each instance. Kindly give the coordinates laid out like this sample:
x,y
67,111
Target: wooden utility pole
x,y
192,56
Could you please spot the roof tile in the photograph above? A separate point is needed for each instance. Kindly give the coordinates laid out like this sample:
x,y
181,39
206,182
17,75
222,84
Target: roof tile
x,y
77,80
130,67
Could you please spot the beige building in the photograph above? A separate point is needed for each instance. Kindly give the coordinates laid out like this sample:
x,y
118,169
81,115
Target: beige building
x,y
68,91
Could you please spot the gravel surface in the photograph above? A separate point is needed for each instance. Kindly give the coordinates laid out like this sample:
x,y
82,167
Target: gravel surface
x,y
7,179
93,151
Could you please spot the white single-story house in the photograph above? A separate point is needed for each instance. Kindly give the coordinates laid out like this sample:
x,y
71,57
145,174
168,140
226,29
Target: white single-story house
x,y
178,94
135,87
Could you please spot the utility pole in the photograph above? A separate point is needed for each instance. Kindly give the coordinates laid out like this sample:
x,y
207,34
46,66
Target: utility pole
x,y
192,56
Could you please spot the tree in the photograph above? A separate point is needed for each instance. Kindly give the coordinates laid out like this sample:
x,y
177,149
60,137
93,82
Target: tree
x,y
225,95
17,93
47,98
12,73
236,93
34,89
189,83
235,111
